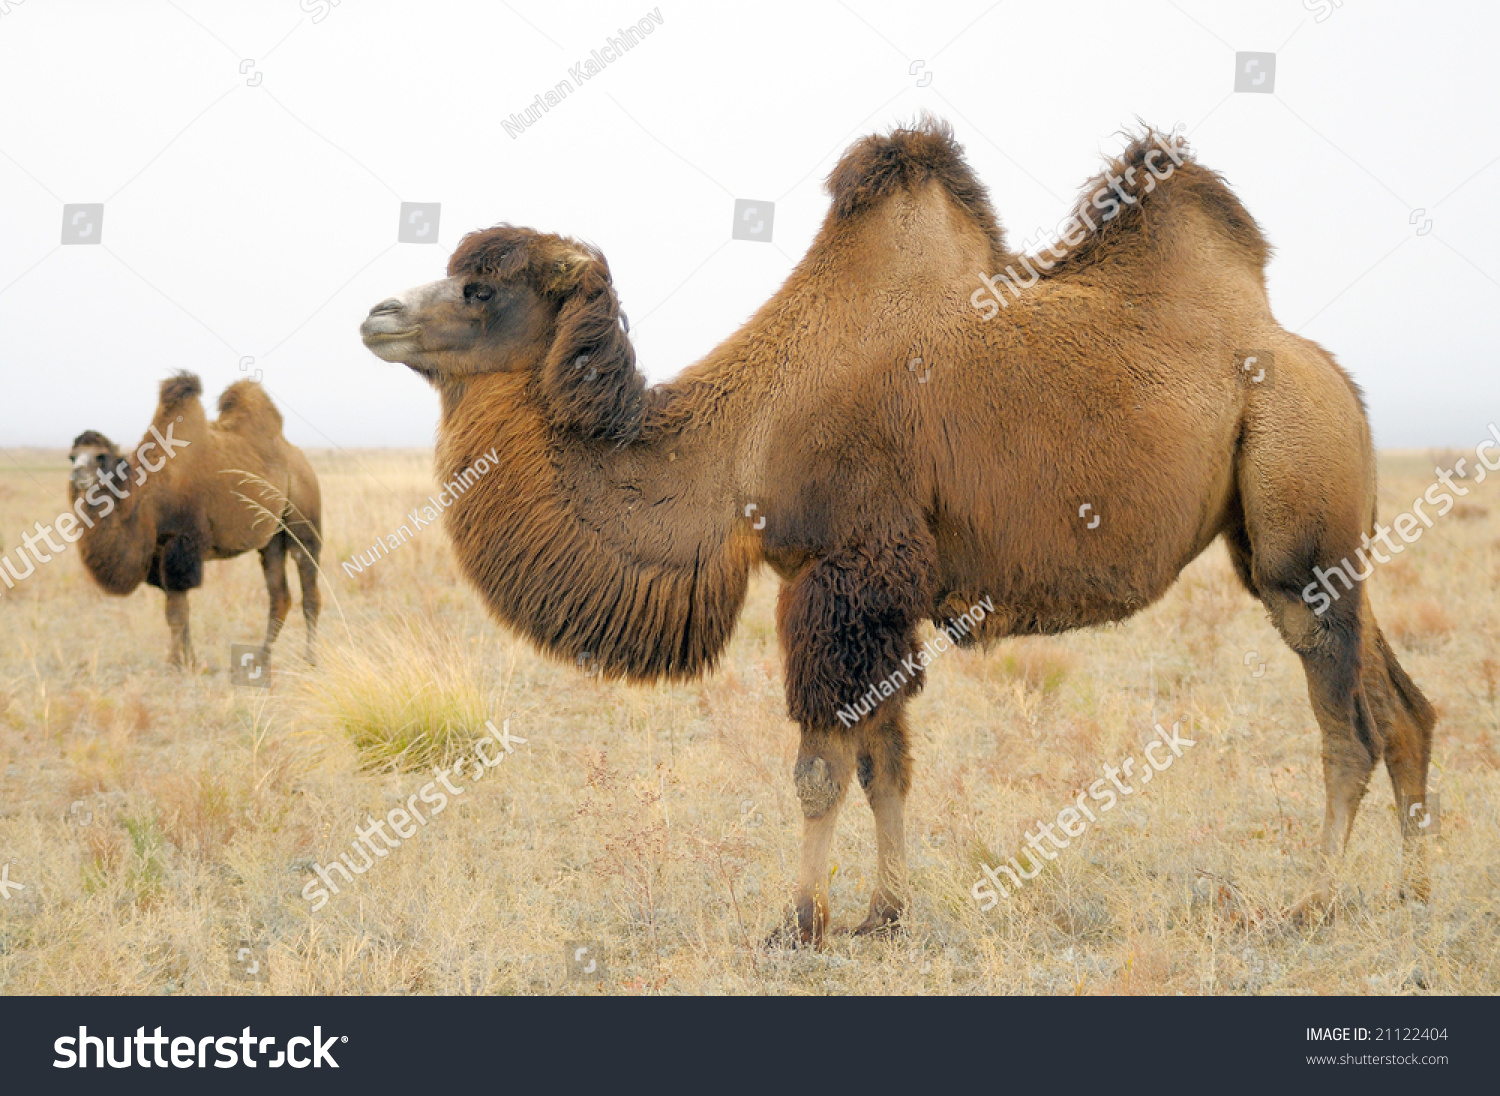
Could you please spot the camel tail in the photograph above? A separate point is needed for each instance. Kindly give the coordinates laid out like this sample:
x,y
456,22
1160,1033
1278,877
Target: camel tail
x,y
1418,708
179,388
246,403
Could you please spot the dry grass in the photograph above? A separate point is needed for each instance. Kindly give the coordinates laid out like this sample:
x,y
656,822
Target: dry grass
x,y
157,819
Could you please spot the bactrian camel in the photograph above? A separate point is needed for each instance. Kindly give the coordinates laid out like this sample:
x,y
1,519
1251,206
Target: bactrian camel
x,y
899,446
195,490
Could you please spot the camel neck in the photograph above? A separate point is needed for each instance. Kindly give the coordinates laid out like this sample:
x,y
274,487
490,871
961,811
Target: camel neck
x,y
619,558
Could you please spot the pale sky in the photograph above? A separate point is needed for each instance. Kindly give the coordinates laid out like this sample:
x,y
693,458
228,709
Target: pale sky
x,y
252,156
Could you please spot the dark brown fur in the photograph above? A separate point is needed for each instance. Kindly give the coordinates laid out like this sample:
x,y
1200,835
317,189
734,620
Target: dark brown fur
x,y
895,459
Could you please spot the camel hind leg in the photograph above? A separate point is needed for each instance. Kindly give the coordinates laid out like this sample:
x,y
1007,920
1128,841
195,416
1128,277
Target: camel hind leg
x,y
306,546
1330,648
1304,553
273,567
303,528
1400,705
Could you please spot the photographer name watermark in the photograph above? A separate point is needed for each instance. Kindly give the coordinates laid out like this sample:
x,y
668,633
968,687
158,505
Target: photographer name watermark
x,y
615,46
950,635
422,516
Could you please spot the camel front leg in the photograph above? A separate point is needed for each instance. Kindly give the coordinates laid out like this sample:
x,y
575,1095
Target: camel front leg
x,y
884,767
845,622
181,653
825,765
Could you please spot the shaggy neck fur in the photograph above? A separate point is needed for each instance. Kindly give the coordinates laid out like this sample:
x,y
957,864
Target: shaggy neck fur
x,y
118,550
120,547
605,555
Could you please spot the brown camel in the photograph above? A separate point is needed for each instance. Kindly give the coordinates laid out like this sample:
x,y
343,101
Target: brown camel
x,y
896,452
211,490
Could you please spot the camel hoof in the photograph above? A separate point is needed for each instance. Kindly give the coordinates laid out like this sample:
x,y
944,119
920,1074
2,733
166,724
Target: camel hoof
x,y
804,925
882,920
874,926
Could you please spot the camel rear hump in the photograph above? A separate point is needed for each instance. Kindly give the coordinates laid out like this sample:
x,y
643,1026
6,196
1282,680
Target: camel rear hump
x,y
1154,201
244,406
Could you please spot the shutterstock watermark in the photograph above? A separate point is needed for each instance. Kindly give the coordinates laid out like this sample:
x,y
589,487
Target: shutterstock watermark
x,y
91,506
422,516
1075,820
404,820
1409,525
1117,192
949,635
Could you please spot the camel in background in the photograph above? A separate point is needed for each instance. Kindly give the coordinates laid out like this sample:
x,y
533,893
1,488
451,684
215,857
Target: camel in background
x,y
623,521
211,490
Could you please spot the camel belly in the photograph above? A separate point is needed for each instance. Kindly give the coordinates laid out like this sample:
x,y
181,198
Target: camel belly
x,y
1060,561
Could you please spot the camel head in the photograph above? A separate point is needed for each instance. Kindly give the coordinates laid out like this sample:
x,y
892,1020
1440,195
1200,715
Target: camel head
x,y
520,301
94,456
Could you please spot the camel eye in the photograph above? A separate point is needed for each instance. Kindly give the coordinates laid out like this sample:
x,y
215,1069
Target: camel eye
x,y
474,291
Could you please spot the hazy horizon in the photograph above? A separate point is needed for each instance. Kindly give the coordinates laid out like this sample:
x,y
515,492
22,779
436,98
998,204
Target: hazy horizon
x,y
252,163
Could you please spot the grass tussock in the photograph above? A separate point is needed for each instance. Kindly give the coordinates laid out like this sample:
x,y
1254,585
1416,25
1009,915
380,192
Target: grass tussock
x,y
406,699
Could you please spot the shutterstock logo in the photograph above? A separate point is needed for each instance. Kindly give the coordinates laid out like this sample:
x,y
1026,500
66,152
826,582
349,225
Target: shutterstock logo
x,y
145,1051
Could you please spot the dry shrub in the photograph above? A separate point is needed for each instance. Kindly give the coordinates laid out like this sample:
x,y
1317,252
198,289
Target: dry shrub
x,y
104,849
129,713
1401,575
1039,667
634,836
99,762
129,859
1489,673
1421,621
198,812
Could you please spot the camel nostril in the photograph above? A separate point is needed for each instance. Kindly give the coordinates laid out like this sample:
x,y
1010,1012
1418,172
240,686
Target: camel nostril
x,y
390,304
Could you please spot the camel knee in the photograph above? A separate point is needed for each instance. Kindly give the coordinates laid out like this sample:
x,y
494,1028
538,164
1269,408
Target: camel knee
x,y
818,787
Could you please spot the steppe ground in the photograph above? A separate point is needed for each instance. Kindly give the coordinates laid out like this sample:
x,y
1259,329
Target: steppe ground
x,y
159,821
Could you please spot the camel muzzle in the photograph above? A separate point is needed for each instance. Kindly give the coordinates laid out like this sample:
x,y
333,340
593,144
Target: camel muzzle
x,y
387,321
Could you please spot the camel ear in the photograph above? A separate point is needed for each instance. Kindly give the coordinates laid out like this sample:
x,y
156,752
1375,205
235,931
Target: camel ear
x,y
589,379
569,270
